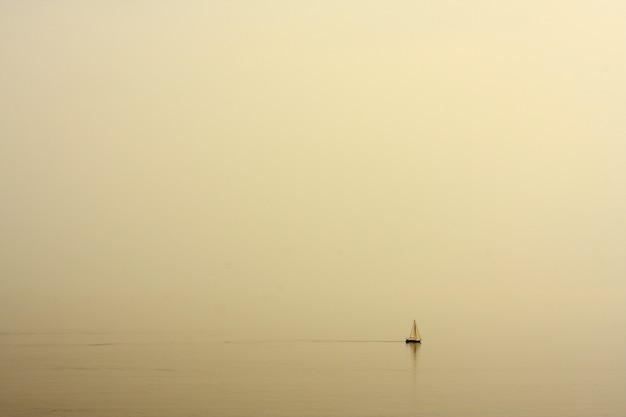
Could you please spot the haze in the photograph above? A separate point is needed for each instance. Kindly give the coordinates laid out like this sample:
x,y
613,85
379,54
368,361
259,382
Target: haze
x,y
313,169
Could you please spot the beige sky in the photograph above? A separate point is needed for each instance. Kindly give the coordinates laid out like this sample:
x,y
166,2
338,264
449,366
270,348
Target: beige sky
x,y
278,169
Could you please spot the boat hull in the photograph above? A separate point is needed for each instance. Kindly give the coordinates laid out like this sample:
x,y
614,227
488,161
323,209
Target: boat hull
x,y
413,341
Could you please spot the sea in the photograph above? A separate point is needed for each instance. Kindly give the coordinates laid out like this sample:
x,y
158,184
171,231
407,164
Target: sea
x,y
168,374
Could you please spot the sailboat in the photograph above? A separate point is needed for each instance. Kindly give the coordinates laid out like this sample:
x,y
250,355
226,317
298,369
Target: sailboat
x,y
414,337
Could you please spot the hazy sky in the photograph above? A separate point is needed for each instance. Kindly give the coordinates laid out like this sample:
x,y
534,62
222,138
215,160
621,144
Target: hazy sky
x,y
313,169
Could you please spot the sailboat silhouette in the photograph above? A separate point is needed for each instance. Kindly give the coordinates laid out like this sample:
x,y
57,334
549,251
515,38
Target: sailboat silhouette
x,y
414,337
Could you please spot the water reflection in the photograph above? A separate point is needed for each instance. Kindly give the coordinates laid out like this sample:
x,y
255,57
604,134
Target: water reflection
x,y
413,350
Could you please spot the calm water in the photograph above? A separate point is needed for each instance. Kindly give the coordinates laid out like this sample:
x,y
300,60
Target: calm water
x,y
177,375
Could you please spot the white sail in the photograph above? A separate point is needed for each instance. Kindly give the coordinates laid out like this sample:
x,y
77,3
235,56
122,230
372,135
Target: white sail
x,y
415,334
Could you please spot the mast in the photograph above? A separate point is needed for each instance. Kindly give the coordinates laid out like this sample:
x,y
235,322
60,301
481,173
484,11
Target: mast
x,y
413,334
